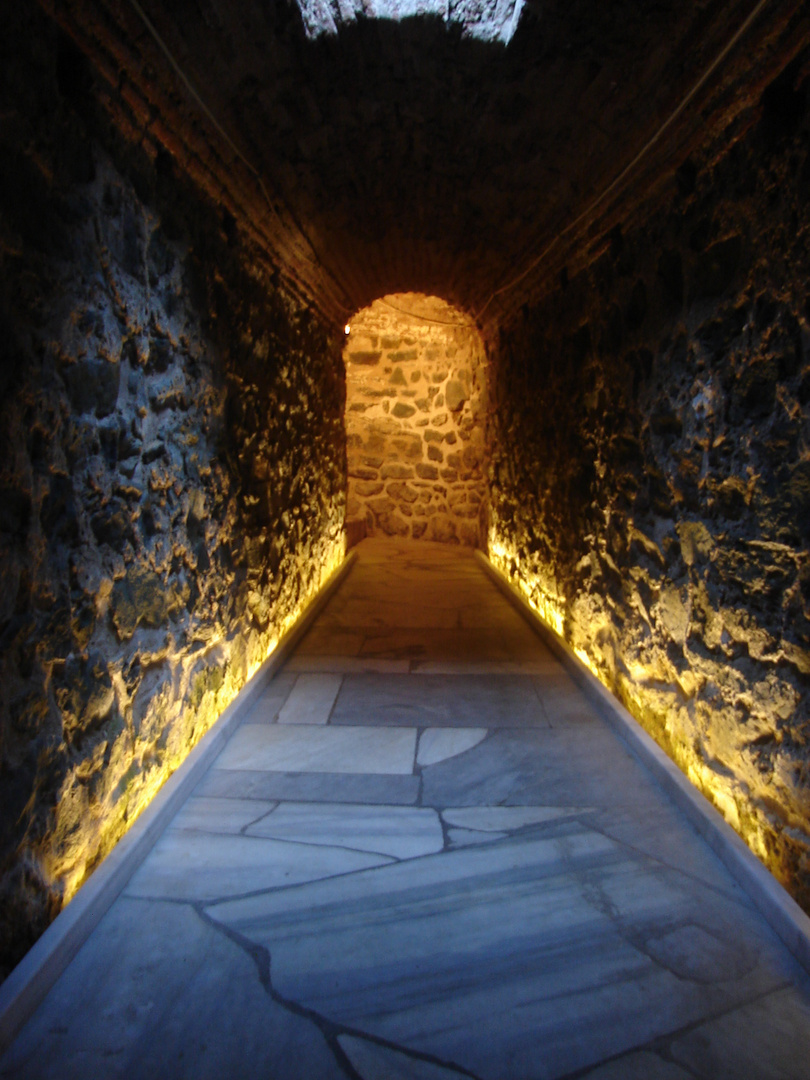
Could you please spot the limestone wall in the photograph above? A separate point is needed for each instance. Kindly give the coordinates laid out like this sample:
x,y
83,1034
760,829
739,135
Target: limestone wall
x,y
415,419
650,479
172,475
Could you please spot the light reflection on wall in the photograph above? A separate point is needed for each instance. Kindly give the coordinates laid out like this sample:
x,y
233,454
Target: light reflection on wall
x,y
202,688
646,690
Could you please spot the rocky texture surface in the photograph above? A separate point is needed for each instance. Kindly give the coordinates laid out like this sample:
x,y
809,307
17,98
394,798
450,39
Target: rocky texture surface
x,y
651,472
415,414
172,474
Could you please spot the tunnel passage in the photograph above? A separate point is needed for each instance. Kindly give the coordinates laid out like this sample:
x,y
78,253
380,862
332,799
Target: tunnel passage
x,y
415,421
173,290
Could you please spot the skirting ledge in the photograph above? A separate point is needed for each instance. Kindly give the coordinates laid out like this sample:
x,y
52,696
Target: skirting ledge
x,y
781,911
39,969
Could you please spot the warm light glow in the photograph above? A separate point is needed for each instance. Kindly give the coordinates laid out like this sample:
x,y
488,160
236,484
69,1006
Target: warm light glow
x,y
538,593
347,329
638,686
134,782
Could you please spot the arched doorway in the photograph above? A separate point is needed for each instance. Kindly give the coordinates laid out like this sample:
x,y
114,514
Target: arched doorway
x,y
415,421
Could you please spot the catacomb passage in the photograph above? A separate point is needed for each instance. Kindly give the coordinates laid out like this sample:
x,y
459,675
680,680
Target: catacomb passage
x,y
611,199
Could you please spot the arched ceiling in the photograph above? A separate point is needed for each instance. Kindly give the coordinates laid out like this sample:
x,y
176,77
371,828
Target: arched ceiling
x,y
395,156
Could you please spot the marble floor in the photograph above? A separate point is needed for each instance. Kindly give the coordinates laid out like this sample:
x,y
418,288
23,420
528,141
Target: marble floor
x,y
423,856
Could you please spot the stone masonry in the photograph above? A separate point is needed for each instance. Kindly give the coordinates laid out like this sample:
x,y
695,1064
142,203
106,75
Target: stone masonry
x,y
415,407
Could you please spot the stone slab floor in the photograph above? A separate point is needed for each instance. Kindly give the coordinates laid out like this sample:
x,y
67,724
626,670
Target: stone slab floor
x,y
424,856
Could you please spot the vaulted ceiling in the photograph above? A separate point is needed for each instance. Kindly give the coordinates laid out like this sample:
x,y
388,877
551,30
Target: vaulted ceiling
x,y
407,155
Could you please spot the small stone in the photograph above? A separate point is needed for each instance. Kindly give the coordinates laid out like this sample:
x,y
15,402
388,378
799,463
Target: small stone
x,y
455,395
403,411
393,470
402,491
427,472
368,487
366,358
360,472
434,453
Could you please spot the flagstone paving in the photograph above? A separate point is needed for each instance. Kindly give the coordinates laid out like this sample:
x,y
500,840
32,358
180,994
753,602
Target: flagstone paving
x,y
422,856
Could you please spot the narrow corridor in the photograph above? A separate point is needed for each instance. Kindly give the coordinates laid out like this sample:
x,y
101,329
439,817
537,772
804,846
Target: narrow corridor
x,y
421,856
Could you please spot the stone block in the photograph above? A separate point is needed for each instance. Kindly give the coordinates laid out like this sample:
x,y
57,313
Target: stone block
x,y
427,472
394,470
409,448
401,491
392,524
455,395
361,472
442,528
403,411
382,505
365,488
434,453
367,359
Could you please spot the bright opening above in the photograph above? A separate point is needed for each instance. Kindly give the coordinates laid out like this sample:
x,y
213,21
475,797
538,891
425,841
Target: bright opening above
x,y
489,20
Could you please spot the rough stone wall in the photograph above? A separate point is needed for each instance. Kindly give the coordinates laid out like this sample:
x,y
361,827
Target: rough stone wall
x,y
415,421
650,480
172,474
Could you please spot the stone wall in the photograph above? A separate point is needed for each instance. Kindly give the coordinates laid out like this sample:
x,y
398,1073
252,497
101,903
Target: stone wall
x,y
172,473
415,420
650,480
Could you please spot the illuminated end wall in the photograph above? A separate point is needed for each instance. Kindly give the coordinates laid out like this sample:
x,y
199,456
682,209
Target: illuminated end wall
x,y
650,480
415,421
172,482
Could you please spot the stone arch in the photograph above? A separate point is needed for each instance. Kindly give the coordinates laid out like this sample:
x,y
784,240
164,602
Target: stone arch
x,y
416,399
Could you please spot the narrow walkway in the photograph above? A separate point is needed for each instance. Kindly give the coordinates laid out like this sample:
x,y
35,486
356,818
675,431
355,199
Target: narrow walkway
x,y
424,857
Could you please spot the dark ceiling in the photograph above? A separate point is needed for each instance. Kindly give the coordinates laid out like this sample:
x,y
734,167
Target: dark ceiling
x,y
399,156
